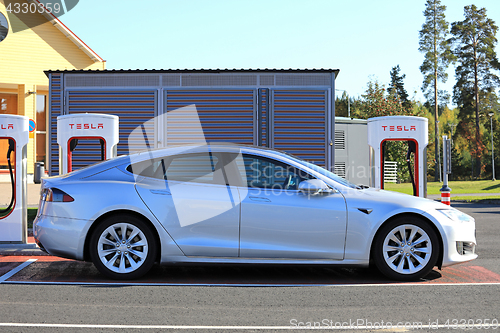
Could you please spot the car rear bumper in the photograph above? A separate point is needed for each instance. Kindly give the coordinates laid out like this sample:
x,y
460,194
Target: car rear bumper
x,y
61,237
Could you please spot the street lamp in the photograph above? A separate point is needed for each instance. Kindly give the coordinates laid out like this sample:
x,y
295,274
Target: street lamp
x,y
492,148
348,102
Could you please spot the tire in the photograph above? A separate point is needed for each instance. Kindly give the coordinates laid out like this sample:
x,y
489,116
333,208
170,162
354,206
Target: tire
x,y
410,257
120,257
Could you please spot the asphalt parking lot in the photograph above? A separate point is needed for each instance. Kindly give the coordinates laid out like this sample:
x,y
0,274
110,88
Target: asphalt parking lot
x,y
221,297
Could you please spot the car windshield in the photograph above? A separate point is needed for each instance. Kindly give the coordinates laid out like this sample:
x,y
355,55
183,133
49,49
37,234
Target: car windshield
x,y
325,172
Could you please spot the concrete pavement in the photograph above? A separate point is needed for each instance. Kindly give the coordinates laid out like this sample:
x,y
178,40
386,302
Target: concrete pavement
x,y
32,197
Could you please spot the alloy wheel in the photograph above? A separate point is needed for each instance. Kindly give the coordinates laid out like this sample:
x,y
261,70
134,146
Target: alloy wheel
x,y
407,249
122,248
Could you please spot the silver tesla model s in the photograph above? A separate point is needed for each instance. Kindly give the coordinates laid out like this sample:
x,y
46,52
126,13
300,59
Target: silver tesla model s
x,y
241,204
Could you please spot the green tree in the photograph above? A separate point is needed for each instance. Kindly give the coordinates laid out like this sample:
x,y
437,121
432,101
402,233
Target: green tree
x,y
396,87
437,57
474,40
342,105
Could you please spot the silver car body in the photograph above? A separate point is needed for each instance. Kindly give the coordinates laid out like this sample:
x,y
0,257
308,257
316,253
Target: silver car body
x,y
197,222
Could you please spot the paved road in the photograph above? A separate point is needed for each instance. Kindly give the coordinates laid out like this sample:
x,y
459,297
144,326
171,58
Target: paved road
x,y
361,299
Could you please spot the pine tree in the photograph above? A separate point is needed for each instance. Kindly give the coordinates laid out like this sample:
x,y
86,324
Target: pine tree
x,y
438,56
474,44
397,88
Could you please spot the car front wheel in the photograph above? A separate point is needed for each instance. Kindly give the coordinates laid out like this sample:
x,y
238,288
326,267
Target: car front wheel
x,y
406,249
123,247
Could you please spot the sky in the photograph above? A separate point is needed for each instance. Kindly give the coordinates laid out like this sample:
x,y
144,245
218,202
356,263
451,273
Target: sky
x,y
362,38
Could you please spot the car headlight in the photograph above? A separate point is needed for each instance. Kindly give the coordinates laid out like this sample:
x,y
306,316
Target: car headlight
x,y
456,215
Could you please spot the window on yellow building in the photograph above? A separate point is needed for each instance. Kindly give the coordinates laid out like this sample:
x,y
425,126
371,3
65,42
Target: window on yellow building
x,y
8,103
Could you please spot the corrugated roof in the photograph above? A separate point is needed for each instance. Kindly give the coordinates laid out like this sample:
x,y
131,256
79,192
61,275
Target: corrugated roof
x,y
202,70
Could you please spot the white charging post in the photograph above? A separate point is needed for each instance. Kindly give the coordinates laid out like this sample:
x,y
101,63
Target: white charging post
x,y
399,128
14,137
70,128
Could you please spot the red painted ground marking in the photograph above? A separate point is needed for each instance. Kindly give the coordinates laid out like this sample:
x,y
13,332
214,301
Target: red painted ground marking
x,y
24,258
482,274
466,274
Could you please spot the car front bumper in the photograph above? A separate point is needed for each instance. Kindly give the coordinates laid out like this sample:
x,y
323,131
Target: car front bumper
x,y
459,238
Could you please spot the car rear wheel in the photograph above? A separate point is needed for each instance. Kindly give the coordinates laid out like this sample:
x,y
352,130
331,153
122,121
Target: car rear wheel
x,y
123,247
406,249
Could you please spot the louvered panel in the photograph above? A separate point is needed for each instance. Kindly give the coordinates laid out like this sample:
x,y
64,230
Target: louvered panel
x,y
55,111
135,108
224,115
340,169
340,139
299,123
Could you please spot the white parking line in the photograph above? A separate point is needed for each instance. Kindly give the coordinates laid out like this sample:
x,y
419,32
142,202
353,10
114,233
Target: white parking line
x,y
241,328
16,270
253,285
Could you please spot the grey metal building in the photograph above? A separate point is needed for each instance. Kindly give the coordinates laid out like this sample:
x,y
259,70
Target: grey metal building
x,y
352,153
290,110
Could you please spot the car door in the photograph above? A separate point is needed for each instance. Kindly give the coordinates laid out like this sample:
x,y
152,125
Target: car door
x,y
279,221
188,194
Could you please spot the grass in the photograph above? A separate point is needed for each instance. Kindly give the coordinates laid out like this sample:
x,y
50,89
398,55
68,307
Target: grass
x,y
31,216
489,199
457,187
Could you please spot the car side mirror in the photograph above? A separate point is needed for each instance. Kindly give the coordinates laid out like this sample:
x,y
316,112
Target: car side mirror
x,y
314,186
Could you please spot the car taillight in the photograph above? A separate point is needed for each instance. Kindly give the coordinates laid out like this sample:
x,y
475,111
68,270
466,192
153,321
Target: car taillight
x,y
56,195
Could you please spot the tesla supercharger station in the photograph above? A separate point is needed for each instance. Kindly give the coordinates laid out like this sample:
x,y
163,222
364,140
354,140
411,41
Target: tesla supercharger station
x,y
85,126
400,128
14,137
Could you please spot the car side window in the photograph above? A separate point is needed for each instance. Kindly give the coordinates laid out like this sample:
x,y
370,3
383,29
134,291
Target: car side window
x,y
194,168
147,168
261,172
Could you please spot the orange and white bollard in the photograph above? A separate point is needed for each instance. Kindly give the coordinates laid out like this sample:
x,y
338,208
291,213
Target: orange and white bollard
x,y
445,195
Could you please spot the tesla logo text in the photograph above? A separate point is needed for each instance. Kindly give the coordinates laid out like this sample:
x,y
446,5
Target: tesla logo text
x,y
9,126
399,128
86,126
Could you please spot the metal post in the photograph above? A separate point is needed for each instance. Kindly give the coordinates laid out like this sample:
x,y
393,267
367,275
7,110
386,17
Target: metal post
x,y
452,125
445,190
492,147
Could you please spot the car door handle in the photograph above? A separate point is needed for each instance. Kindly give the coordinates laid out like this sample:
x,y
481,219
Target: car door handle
x,y
160,192
259,199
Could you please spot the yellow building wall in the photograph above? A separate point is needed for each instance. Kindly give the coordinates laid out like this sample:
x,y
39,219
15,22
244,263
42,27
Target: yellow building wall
x,y
25,55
